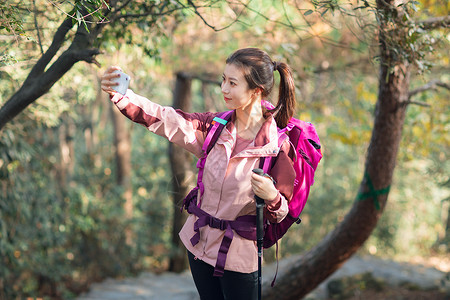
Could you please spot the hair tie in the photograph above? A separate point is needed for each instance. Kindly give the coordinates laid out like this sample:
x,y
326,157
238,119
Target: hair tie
x,y
275,66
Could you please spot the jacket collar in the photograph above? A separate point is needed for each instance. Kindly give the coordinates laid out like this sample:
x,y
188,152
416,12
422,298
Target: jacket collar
x,y
265,142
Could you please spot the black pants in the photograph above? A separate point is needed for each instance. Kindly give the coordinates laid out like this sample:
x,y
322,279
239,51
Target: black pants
x,y
231,286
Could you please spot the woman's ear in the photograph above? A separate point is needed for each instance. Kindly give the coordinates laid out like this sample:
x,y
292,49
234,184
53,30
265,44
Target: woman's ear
x,y
256,94
257,91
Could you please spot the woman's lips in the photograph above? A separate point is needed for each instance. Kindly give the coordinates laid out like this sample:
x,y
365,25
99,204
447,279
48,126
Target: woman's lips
x,y
226,99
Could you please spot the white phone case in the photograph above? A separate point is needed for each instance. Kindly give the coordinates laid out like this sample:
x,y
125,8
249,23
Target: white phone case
x,y
124,82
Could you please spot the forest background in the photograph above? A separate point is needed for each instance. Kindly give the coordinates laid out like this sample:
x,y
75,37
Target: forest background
x,y
70,214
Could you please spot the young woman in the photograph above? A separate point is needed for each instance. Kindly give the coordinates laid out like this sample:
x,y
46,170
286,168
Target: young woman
x,y
229,184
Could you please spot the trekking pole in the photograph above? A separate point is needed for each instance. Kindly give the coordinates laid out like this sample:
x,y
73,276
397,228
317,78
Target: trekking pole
x,y
259,233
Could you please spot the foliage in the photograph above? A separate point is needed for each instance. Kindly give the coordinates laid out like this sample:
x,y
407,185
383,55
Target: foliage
x,y
57,236
84,10
10,18
11,22
54,239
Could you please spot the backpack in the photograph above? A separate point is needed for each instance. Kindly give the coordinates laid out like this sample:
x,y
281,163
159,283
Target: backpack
x,y
304,139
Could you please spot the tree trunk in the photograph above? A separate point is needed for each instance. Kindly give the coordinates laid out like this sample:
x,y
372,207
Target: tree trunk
x,y
207,99
122,145
182,176
446,238
67,151
325,258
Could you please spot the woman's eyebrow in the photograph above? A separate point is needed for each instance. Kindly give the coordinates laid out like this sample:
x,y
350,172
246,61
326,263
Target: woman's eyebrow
x,y
230,78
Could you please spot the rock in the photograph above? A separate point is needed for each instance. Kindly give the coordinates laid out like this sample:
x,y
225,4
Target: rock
x,y
345,287
385,272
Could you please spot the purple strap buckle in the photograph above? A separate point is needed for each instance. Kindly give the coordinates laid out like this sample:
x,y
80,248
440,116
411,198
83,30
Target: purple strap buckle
x,y
217,223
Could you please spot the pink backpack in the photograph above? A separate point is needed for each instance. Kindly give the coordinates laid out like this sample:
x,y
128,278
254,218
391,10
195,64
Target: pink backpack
x,y
304,139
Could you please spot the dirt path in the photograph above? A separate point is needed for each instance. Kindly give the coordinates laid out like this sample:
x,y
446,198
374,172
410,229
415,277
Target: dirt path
x,y
170,286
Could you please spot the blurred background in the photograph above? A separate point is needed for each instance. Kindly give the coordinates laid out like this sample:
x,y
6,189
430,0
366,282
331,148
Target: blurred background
x,y
85,194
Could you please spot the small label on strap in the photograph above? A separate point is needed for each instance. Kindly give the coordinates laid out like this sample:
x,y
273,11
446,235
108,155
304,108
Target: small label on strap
x,y
221,121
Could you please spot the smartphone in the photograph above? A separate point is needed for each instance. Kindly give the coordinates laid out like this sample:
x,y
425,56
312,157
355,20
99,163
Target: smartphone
x,y
124,82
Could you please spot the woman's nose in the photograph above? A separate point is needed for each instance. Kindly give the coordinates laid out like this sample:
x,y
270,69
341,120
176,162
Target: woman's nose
x,y
224,88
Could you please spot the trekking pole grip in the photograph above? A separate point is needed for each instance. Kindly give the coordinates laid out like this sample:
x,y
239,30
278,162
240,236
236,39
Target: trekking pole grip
x,y
259,211
260,172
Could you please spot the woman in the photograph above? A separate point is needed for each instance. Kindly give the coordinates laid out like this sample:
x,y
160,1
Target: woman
x,y
229,184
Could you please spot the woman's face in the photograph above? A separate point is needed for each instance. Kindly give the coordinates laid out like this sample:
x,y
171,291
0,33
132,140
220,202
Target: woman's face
x,y
235,90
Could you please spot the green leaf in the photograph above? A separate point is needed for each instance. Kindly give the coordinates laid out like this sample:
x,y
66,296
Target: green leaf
x,y
308,12
79,17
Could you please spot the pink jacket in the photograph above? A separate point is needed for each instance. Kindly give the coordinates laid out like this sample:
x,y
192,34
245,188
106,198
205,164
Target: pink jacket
x,y
228,193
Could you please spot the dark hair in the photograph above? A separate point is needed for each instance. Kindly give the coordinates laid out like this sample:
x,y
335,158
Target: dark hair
x,y
258,70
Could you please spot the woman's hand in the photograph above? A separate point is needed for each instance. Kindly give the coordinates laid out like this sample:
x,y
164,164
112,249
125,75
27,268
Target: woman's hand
x,y
264,188
107,80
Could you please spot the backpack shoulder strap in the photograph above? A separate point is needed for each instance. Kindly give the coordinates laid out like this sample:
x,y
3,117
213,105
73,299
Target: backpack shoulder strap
x,y
217,125
213,133
267,162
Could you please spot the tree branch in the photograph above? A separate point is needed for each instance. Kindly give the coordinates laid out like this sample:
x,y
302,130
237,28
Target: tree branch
x,y
432,85
37,27
149,11
200,15
206,22
57,42
136,16
125,4
205,78
40,80
87,55
419,103
345,66
434,23
63,64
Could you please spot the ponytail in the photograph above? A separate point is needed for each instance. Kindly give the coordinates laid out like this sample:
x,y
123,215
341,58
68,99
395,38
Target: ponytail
x,y
285,108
